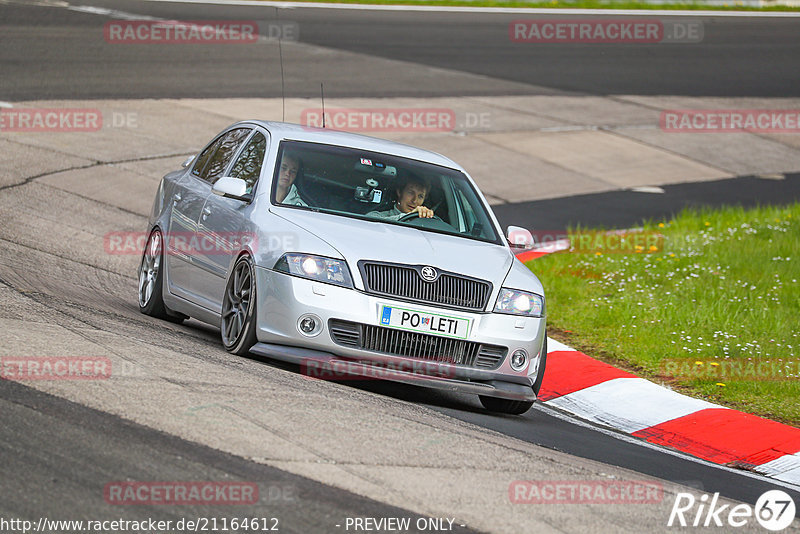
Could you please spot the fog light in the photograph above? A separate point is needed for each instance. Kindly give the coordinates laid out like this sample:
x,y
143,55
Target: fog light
x,y
309,325
519,359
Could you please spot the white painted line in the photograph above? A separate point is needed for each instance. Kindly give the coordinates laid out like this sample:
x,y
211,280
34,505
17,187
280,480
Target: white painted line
x,y
6,104
40,3
558,129
124,15
772,176
499,10
113,13
647,189
629,404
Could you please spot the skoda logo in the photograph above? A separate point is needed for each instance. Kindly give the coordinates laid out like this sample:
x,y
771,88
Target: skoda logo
x,y
428,273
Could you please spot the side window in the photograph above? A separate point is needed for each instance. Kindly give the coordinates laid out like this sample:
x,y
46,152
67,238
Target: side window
x,y
202,159
248,166
221,152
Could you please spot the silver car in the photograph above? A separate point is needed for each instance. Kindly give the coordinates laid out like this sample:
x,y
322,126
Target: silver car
x,y
350,256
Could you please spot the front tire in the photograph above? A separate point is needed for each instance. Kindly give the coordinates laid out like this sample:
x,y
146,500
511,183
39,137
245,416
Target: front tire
x,y
537,386
512,407
493,404
238,322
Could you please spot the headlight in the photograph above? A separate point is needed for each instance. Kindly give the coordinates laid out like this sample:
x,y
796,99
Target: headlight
x,y
515,302
317,268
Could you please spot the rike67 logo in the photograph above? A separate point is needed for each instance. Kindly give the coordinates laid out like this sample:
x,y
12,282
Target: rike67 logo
x,y
774,510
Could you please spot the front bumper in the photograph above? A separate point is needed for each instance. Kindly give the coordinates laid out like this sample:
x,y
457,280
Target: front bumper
x,y
283,299
330,367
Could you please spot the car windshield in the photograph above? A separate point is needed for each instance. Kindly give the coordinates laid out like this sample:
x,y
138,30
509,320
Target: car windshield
x,y
381,188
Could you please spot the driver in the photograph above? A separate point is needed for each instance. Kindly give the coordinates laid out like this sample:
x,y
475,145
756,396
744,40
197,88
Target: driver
x,y
286,191
411,192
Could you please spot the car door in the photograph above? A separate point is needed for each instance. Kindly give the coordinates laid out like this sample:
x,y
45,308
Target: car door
x,y
223,223
187,205
187,201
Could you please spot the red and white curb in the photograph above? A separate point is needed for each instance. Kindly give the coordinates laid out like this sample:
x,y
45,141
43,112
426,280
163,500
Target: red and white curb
x,y
602,394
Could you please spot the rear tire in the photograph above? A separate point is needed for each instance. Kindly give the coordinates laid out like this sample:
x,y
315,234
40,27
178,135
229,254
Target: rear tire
x,y
151,281
151,277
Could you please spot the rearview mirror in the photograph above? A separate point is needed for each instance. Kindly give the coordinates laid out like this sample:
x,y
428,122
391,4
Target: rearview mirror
x,y
188,161
519,237
230,188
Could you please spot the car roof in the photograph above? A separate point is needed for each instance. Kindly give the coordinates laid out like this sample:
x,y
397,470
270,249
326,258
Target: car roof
x,y
297,132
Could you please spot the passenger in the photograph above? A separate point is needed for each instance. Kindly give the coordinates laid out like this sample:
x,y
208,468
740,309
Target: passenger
x,y
286,192
411,192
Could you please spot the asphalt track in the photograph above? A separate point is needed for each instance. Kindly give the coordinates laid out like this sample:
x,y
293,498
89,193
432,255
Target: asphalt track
x,y
60,455
737,57
57,444
543,427
628,209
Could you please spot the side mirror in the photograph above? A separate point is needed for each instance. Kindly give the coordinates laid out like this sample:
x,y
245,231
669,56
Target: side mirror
x,y
519,237
188,161
230,188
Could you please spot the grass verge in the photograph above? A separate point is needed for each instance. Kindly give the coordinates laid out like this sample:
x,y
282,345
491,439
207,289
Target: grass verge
x,y
715,313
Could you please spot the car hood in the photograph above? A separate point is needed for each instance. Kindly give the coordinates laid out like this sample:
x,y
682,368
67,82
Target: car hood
x,y
357,239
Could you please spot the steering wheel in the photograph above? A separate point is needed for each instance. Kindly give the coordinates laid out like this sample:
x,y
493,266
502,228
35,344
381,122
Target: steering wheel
x,y
414,215
431,223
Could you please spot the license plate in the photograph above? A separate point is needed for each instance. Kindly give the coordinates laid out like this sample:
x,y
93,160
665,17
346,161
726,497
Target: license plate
x,y
428,323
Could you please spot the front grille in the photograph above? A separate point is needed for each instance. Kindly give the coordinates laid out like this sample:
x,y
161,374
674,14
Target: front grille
x,y
405,282
416,345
